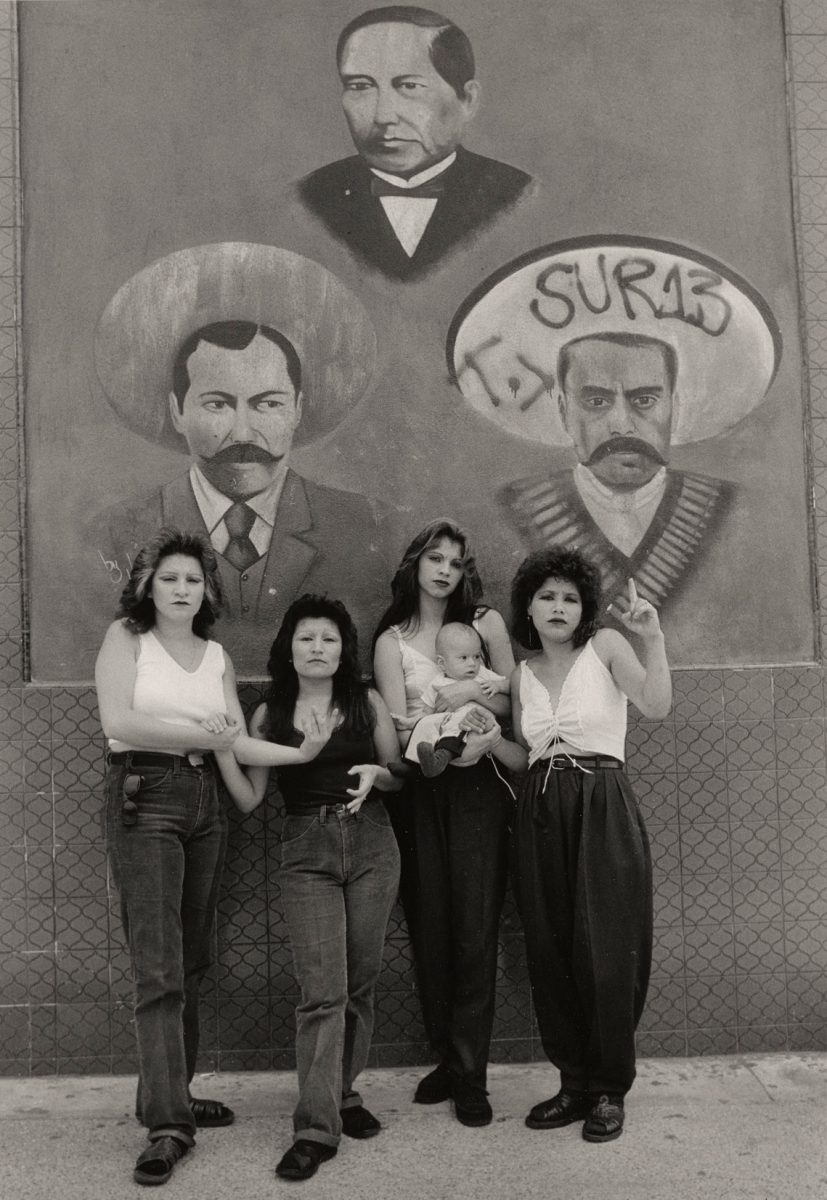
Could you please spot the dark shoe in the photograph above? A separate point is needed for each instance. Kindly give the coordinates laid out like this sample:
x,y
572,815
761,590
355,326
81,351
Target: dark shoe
x,y
605,1121
303,1158
209,1114
357,1122
562,1109
436,1086
470,1104
156,1163
433,762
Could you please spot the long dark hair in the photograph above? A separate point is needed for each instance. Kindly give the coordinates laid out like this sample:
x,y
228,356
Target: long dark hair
x,y
350,693
463,603
556,562
137,608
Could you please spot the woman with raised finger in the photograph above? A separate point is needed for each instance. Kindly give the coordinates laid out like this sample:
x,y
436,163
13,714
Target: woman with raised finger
x,y
158,675
453,829
331,738
581,855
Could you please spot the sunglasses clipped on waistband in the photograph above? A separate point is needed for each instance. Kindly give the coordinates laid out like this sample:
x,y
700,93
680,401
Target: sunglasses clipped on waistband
x,y
132,784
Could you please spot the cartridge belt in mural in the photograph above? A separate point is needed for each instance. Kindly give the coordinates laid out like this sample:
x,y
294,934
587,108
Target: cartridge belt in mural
x,y
549,511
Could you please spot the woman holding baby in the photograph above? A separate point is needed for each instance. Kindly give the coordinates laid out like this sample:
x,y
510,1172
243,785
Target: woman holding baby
x,y
452,829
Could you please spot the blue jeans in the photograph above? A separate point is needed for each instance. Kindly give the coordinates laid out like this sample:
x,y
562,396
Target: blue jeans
x,y
167,868
339,879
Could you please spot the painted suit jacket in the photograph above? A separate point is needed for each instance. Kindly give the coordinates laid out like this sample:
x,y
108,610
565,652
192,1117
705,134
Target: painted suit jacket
x,y
324,540
477,190
549,511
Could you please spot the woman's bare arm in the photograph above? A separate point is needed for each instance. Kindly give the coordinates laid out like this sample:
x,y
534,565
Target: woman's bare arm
x,y
115,671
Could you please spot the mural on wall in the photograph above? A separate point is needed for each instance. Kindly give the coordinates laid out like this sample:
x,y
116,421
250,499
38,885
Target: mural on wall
x,y
621,350
412,193
221,332
231,353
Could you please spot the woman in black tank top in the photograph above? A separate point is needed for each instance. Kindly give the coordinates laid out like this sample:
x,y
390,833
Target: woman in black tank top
x,y
331,738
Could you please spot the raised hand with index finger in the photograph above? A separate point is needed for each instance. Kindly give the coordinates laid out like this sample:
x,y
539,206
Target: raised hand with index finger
x,y
636,614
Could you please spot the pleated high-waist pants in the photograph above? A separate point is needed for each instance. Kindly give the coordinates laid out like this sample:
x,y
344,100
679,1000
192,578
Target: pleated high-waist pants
x,y
583,880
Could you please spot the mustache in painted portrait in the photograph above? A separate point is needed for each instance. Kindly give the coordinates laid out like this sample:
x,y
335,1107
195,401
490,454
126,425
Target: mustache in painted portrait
x,y
242,452
618,445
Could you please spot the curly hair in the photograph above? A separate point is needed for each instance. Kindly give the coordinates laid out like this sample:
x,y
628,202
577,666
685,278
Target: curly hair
x,y
463,603
556,562
137,608
350,692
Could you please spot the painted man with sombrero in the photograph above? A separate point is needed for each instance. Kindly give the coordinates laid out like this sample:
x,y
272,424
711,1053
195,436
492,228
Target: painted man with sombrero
x,y
202,351
621,350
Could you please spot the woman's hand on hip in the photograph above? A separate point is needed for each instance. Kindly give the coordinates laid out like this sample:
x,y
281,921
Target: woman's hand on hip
x,y
367,773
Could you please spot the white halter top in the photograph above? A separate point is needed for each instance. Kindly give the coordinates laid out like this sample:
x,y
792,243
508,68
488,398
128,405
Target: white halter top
x,y
418,671
590,714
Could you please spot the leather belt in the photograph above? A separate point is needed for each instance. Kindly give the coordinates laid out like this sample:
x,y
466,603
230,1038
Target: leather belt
x,y
149,758
573,762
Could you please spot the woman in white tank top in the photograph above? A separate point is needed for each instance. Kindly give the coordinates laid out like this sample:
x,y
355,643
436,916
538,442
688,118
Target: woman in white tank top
x,y
158,677
582,869
452,830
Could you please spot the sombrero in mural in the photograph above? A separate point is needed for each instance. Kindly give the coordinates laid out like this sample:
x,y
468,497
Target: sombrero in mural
x,y
149,317
504,343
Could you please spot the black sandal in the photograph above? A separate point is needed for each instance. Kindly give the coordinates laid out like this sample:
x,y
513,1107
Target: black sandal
x,y
209,1114
156,1163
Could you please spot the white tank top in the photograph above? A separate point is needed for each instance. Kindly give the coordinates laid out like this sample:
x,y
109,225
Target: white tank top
x,y
418,671
590,714
164,690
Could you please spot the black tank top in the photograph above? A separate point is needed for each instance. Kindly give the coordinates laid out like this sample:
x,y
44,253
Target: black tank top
x,y
324,780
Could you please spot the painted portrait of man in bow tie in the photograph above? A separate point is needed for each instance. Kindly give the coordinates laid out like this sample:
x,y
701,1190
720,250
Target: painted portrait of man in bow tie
x,y
412,194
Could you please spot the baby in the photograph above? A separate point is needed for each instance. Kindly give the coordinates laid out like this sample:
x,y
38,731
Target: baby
x,y
436,737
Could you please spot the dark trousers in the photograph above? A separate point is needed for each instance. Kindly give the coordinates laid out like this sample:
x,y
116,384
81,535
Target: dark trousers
x,y
167,868
339,879
453,838
583,881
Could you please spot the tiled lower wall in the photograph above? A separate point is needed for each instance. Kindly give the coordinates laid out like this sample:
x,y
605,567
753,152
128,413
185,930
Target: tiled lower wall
x,y
733,786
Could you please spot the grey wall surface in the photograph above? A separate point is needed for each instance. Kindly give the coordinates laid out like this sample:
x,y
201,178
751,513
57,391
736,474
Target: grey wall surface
x,y
153,126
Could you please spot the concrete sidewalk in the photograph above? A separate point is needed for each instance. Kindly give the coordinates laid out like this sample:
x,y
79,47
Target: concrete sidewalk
x,y
734,1128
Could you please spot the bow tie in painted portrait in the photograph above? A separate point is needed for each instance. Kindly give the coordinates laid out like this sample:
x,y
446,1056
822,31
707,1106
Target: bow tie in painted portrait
x,y
550,191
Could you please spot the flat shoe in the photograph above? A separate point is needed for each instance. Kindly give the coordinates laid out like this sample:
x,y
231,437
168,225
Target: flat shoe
x,y
303,1158
156,1163
471,1105
357,1122
209,1114
436,1086
562,1109
605,1121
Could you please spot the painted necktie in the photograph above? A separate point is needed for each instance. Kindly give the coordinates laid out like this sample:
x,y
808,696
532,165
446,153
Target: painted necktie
x,y
240,550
